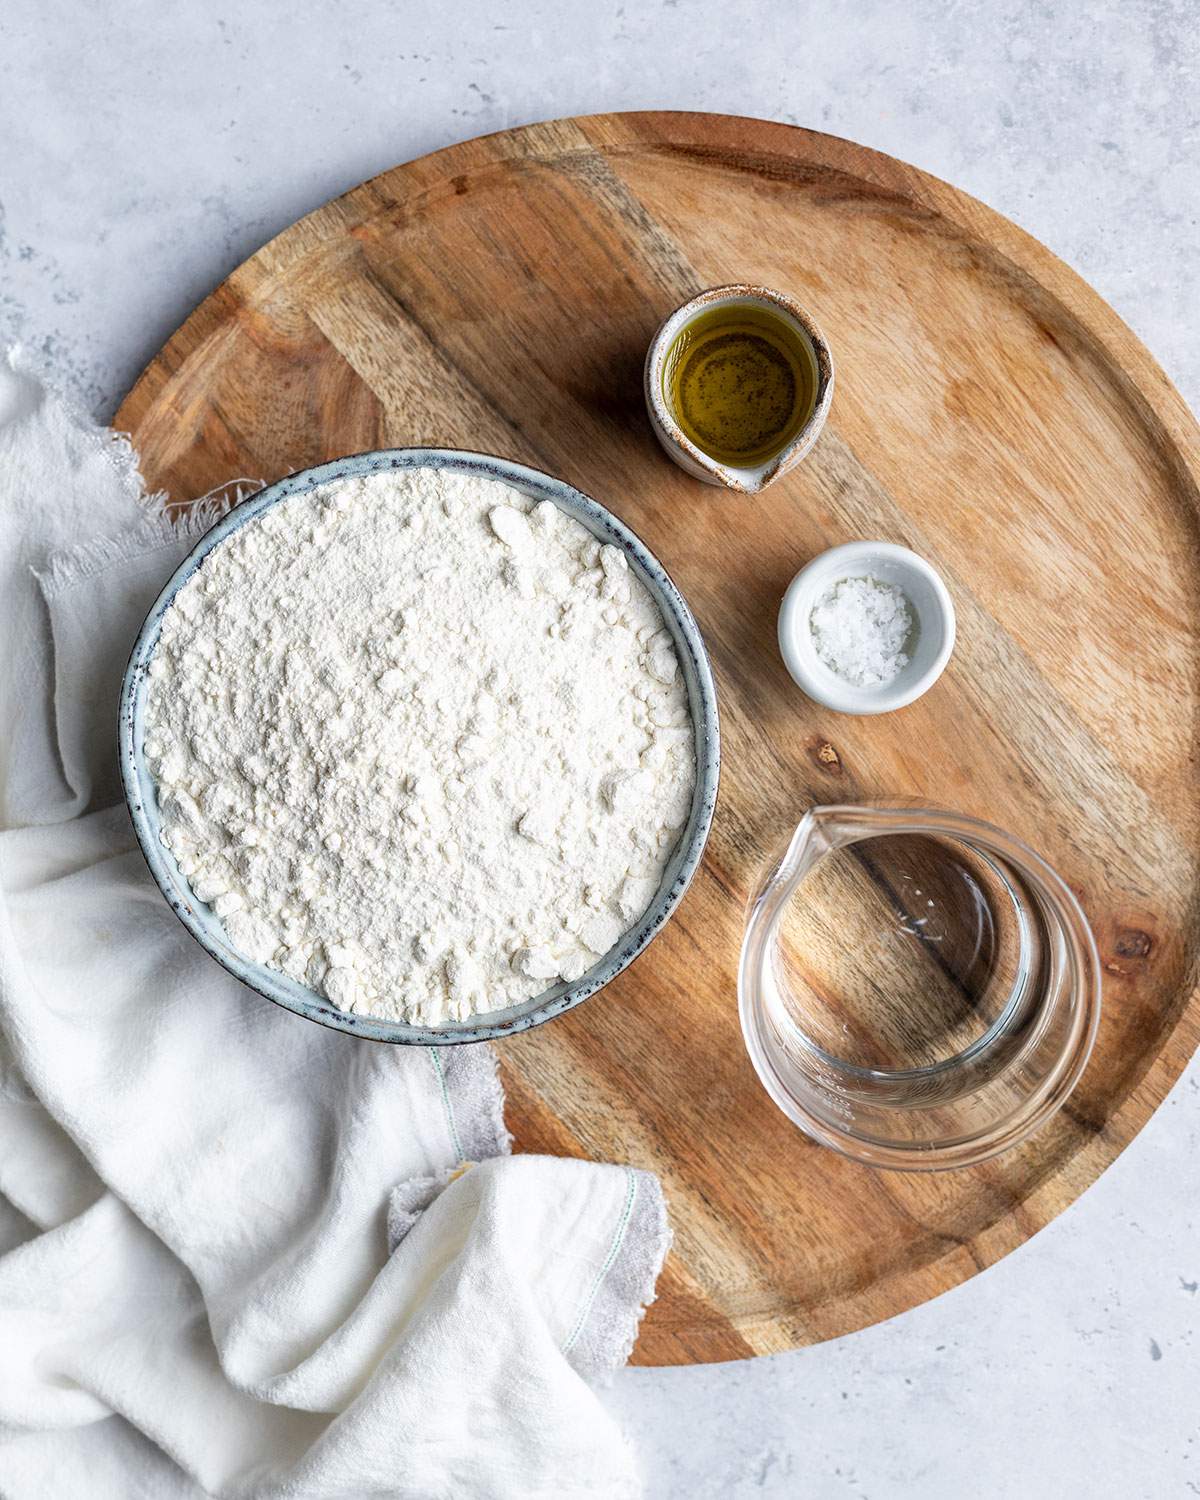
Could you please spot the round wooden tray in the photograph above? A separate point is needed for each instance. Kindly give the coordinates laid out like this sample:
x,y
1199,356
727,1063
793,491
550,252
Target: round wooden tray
x,y
991,412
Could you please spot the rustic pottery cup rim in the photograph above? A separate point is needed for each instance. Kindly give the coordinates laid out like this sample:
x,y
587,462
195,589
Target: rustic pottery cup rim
x,y
679,447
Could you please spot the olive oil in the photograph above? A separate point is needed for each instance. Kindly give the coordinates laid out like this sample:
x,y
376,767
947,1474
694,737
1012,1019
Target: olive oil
x,y
741,383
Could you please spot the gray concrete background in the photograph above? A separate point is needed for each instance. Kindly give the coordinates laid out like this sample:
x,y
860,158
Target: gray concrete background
x,y
146,149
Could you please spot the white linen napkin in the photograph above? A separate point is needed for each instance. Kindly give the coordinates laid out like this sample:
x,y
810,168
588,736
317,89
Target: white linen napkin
x,y
247,1259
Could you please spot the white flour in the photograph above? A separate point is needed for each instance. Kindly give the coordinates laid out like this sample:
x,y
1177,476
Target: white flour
x,y
422,746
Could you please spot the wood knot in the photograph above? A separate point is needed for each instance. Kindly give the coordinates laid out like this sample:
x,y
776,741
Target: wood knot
x,y
1132,942
1128,943
826,756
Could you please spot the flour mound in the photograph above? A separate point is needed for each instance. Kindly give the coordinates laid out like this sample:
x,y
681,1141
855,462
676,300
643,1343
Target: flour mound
x,y
420,744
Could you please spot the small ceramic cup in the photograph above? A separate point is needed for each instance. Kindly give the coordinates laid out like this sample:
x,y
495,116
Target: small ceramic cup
x,y
928,649
678,446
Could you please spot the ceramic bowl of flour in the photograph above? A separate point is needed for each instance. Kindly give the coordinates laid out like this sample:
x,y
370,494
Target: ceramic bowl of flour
x,y
142,793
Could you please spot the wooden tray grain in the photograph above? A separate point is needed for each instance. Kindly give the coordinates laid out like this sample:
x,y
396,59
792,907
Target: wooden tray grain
x,y
991,412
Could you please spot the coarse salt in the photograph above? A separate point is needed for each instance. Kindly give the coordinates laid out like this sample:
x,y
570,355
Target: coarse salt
x,y
859,629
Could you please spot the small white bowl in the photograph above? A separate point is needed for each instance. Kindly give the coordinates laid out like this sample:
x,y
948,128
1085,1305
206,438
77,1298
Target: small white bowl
x,y
928,647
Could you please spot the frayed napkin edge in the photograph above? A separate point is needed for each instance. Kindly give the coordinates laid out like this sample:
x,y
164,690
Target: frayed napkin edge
x,y
613,1320
159,526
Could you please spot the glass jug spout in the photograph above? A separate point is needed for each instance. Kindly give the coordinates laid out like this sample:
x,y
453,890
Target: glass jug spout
x,y
824,829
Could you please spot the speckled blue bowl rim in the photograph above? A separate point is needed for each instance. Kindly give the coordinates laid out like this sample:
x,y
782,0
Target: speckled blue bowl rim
x,y
697,672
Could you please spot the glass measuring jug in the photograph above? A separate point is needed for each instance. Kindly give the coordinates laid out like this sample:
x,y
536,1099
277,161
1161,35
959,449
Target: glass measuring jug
x,y
917,989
